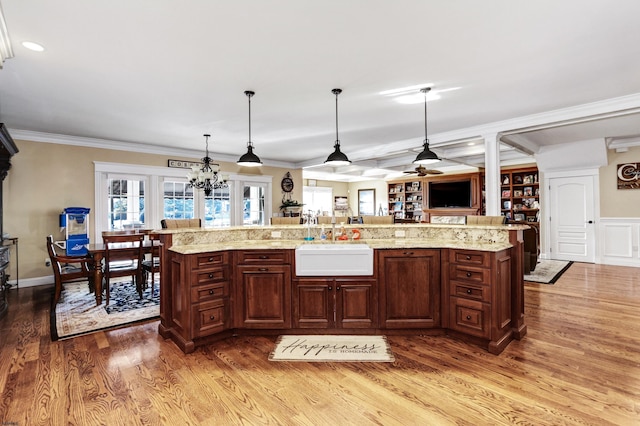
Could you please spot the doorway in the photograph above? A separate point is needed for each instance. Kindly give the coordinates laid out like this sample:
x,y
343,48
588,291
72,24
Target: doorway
x,y
572,217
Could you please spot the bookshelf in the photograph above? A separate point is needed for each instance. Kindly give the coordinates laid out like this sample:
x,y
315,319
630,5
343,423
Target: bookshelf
x,y
405,200
520,195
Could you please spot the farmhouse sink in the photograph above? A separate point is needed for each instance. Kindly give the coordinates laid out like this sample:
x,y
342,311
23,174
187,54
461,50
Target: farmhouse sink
x,y
321,260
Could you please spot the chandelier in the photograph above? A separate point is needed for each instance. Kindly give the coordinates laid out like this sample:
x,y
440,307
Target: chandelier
x,y
207,177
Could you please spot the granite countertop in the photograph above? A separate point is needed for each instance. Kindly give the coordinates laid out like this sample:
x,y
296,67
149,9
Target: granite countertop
x,y
373,243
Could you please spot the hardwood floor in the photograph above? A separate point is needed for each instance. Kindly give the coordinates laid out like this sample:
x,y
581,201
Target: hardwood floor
x,y
579,364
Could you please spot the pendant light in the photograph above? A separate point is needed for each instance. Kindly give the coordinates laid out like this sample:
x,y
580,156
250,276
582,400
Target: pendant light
x,y
249,159
337,158
426,156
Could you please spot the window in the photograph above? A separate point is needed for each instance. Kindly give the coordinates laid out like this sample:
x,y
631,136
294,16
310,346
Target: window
x,y
217,208
126,203
318,199
135,196
178,200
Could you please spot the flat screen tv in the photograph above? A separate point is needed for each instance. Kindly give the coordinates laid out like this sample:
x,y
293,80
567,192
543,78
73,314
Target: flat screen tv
x,y
450,194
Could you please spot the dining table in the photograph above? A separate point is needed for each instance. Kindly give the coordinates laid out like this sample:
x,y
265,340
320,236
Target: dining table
x,y
119,251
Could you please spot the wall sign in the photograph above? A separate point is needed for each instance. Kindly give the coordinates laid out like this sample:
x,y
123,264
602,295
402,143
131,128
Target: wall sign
x,y
629,176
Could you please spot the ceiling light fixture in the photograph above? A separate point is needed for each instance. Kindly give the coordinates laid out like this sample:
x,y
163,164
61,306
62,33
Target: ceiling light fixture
x,y
337,158
249,159
426,156
33,46
207,178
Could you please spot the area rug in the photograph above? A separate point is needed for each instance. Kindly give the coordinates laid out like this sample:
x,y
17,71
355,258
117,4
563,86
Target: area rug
x,y
548,271
324,348
76,312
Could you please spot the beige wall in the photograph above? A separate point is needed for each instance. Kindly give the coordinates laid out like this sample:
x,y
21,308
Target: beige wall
x,y
340,189
45,178
380,187
616,202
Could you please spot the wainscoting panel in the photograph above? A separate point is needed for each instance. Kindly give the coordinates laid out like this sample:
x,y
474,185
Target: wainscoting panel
x,y
619,239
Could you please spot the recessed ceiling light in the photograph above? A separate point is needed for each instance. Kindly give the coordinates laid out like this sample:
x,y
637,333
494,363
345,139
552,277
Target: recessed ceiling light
x,y
33,46
405,90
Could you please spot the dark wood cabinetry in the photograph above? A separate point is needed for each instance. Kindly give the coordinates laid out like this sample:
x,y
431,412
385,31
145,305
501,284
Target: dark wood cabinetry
x,y
471,294
409,288
478,285
199,305
263,289
335,303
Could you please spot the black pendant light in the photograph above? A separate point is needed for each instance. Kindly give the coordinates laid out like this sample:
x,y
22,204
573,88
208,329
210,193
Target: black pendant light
x,y
337,158
249,159
426,156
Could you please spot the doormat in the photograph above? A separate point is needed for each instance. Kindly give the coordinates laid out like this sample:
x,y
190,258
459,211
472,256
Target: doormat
x,y
76,312
324,348
548,271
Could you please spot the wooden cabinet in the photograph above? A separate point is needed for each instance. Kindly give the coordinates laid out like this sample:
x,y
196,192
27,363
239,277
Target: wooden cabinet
x,y
409,288
520,194
335,303
263,289
479,289
406,200
199,305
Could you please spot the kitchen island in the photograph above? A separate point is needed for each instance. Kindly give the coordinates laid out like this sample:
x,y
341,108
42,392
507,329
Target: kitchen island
x,y
437,279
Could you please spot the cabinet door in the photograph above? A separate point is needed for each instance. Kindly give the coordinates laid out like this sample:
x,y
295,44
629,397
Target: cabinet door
x,y
409,288
265,296
356,304
313,303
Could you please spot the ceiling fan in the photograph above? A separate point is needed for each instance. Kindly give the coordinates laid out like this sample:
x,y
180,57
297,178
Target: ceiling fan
x,y
423,171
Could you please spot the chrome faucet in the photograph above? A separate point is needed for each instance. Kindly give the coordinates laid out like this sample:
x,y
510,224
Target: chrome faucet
x,y
333,227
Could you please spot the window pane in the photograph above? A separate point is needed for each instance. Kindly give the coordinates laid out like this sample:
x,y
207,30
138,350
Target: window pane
x,y
253,205
177,200
126,204
217,208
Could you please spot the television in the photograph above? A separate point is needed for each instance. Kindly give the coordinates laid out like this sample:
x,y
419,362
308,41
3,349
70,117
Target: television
x,y
450,194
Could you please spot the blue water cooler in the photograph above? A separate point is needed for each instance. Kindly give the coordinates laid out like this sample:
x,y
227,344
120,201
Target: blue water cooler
x,y
75,221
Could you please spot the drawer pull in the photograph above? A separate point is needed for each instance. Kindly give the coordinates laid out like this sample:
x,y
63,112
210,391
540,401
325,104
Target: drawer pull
x,y
211,317
330,288
263,269
211,291
468,257
338,288
211,275
210,259
468,274
408,253
468,291
264,257
468,317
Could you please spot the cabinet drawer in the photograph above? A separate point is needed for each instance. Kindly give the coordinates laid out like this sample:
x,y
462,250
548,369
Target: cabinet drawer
x,y
209,318
207,260
470,291
470,317
263,256
470,274
469,257
210,276
205,293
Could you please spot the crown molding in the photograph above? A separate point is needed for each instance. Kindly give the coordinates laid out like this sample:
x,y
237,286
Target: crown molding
x,y
59,139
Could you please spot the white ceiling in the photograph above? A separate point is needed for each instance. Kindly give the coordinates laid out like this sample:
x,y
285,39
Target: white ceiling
x,y
159,74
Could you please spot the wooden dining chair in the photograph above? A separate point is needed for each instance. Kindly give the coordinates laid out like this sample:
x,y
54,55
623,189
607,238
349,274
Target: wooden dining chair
x,y
68,269
123,256
151,265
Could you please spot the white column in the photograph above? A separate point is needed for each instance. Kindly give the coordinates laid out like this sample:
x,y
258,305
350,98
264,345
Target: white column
x,y
492,174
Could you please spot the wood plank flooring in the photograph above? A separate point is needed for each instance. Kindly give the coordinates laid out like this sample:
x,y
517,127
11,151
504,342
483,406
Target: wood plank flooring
x,y
578,365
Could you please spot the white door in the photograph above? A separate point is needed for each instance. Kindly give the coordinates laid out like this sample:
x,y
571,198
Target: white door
x,y
572,217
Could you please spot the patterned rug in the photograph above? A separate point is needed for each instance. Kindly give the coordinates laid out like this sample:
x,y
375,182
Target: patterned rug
x,y
548,271
331,348
76,313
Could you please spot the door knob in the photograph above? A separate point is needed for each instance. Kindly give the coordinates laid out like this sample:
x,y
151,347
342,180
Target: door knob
x,y
589,221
